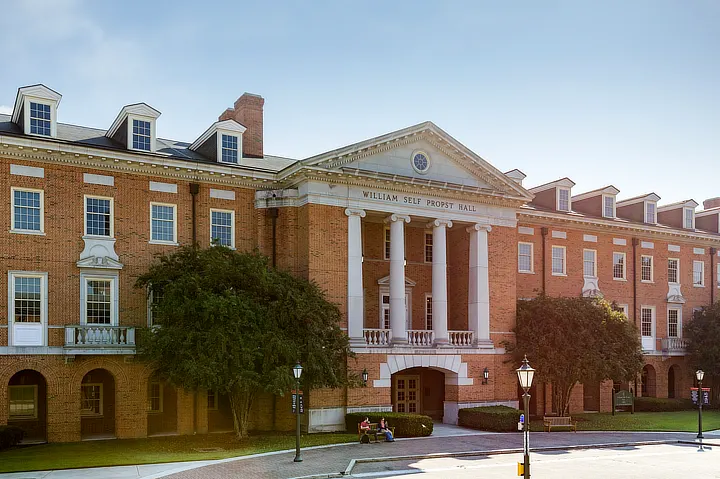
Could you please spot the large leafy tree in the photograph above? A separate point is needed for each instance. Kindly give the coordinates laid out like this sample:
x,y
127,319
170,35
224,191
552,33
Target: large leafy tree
x,y
231,323
571,340
703,344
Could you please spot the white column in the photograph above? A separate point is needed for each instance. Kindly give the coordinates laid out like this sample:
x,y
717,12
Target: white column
x,y
397,278
439,280
479,286
356,303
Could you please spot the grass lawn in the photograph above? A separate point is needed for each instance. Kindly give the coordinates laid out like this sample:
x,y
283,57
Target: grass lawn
x,y
152,450
677,421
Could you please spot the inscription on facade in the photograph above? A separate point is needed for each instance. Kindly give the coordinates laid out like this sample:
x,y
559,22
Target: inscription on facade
x,y
419,201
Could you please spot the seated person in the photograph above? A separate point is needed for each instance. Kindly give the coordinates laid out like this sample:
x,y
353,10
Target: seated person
x,y
365,425
383,428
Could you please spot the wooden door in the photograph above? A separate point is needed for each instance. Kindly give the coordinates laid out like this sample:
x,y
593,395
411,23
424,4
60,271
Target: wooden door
x,y
407,394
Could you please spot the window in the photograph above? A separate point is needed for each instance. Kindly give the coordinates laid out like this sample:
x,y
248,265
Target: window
x,y
609,206
696,312
163,223
428,312
154,298
229,149
91,399
23,402
387,243
40,121
673,270
27,215
155,397
717,281
558,260
621,308
385,311
141,135
27,299
689,218
428,246
525,257
674,328
563,199
98,301
646,320
698,273
646,269
98,216
650,212
589,263
618,265
212,400
222,227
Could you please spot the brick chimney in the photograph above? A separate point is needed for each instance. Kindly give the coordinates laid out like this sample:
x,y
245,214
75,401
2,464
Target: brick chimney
x,y
711,203
248,111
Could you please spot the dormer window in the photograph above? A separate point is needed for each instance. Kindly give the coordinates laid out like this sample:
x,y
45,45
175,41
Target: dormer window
x,y
134,127
141,136
40,119
563,199
689,218
650,212
229,149
608,206
35,110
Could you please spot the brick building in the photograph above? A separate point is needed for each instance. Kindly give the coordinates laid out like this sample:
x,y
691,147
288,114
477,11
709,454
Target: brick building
x,y
425,245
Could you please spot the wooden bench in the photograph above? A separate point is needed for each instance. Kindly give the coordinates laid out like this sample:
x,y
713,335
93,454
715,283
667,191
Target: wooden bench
x,y
373,432
550,422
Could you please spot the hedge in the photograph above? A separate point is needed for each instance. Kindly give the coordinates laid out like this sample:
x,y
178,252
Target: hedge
x,y
649,404
490,418
10,436
405,424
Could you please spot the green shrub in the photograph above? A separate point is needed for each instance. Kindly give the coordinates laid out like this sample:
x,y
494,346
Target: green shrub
x,y
490,418
10,436
647,404
405,424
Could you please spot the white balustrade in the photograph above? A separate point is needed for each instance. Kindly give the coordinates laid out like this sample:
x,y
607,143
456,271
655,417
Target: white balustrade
x,y
377,337
460,338
674,344
420,337
95,335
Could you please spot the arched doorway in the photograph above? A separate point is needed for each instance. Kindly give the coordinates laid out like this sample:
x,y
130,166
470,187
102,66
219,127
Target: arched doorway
x,y
162,407
220,418
648,382
671,381
27,401
419,390
97,405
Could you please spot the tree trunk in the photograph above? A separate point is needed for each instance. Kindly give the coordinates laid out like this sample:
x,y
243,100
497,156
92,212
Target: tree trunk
x,y
241,402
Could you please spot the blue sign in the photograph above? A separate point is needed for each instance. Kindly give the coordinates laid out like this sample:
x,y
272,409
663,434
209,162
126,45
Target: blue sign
x,y
522,418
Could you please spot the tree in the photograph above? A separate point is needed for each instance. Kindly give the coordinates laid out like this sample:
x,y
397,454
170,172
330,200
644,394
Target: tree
x,y
231,323
571,340
703,344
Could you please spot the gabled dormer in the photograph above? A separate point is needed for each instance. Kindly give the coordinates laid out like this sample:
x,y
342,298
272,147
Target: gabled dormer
x,y
516,175
600,202
709,218
555,195
35,110
678,215
221,142
642,209
134,127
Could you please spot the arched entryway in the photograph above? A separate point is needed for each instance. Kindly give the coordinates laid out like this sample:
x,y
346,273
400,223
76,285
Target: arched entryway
x,y
648,388
27,402
419,390
671,381
220,417
97,405
162,407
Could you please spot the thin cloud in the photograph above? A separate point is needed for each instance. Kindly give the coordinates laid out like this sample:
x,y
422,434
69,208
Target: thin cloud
x,y
4,109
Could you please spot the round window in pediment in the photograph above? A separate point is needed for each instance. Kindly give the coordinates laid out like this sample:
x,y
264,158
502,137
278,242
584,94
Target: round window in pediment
x,y
421,162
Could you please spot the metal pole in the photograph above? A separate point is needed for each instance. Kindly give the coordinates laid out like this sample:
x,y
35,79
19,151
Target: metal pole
x,y
526,466
700,401
297,421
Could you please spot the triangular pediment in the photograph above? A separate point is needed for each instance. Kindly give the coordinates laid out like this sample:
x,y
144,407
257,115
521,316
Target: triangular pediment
x,y
448,162
99,262
385,281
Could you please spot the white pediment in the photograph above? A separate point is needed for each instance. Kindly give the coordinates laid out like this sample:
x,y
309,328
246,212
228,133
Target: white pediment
x,y
385,281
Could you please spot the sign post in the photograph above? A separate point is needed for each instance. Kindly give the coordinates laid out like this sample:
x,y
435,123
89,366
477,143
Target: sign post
x,y
623,398
295,395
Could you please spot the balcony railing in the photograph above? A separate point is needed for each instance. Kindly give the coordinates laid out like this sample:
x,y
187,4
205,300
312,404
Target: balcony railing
x,y
674,345
377,337
460,338
97,336
417,338
420,337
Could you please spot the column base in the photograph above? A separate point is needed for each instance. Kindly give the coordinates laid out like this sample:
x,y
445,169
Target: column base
x,y
357,342
441,343
399,342
484,344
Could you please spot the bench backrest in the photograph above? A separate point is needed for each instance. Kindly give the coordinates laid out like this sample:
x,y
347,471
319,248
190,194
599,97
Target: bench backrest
x,y
558,420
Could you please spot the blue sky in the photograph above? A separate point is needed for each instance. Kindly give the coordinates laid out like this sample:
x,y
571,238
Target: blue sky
x,y
615,92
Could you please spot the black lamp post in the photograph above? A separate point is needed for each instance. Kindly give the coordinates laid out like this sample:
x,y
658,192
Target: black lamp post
x,y
700,374
486,376
365,377
297,372
525,376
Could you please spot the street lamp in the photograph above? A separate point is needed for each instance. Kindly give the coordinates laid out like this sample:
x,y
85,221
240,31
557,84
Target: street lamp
x,y
365,377
297,372
700,374
486,376
525,376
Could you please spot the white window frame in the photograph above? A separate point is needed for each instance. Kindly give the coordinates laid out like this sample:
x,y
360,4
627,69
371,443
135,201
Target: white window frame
x,y
645,212
215,400
385,291
219,147
428,296
569,199
150,312
594,262
88,412
625,310
677,261
653,322
384,307
153,135
702,274
717,279
427,234
532,257
652,269
114,293
174,220
112,215
12,276
691,213
679,322
624,266
160,397
13,229
386,243
614,210
564,259
232,224
53,115
35,402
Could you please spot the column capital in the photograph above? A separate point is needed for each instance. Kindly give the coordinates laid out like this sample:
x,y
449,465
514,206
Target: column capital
x,y
479,227
355,212
396,217
439,222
